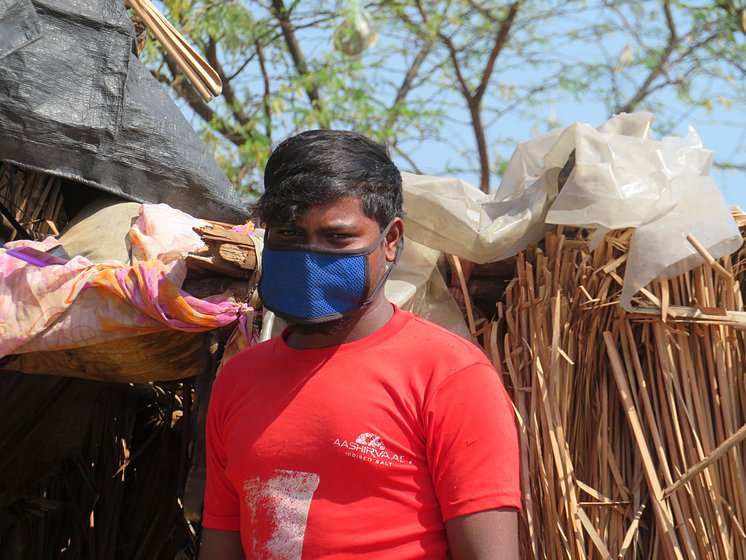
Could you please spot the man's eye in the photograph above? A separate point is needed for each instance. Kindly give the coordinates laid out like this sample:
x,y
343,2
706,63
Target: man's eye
x,y
288,232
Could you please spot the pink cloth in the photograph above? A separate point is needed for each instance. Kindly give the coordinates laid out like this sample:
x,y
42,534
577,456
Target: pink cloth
x,y
81,303
163,233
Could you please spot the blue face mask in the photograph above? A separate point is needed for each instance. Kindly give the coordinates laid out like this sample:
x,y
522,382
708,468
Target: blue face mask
x,y
304,284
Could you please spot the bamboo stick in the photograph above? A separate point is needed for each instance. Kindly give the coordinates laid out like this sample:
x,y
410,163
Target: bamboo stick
x,y
204,71
458,270
714,456
709,259
201,75
662,512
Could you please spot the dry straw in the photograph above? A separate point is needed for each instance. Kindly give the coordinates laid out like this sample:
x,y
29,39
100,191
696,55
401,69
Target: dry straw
x,y
33,199
631,424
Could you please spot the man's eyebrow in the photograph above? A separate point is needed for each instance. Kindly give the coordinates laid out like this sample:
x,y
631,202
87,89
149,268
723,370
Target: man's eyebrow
x,y
338,226
284,225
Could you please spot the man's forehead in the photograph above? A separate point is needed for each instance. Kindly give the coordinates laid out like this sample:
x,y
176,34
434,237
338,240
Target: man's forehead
x,y
343,211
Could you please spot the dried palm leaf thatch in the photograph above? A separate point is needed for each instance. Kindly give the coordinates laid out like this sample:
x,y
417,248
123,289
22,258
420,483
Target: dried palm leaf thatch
x,y
119,496
631,424
33,201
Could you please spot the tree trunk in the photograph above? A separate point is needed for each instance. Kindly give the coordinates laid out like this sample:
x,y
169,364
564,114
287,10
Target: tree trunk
x,y
484,157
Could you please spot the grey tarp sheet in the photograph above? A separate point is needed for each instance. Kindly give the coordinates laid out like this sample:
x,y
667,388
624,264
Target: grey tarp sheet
x,y
75,101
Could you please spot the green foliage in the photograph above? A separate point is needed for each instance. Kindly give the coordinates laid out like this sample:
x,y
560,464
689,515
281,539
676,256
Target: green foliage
x,y
421,81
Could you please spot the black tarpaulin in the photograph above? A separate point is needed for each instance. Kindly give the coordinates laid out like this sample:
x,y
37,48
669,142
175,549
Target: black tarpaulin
x,y
75,101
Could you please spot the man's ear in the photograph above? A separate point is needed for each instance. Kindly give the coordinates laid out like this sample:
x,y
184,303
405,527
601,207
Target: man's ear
x,y
393,238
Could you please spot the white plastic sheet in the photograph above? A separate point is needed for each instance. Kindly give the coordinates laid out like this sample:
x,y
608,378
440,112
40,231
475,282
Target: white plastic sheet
x,y
454,217
659,249
622,177
624,180
417,285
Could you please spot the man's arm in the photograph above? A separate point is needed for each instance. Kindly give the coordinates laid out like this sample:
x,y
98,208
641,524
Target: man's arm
x,y
485,535
220,545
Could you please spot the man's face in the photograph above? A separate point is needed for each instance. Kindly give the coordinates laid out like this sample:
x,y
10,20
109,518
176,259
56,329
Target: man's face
x,y
341,224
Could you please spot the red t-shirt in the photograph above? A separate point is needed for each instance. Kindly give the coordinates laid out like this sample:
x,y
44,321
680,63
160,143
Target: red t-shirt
x,y
362,449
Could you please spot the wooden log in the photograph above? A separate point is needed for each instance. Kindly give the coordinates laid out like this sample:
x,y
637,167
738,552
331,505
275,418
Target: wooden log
x,y
227,252
239,255
206,286
214,264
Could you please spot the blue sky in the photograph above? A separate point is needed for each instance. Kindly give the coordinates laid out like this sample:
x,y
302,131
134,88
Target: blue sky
x,y
722,128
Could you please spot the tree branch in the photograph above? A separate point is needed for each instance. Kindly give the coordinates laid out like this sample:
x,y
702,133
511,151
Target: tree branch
x,y
670,21
453,55
474,100
481,139
729,166
282,14
500,40
187,92
228,93
242,67
414,68
484,11
267,91
476,118
259,40
656,71
406,157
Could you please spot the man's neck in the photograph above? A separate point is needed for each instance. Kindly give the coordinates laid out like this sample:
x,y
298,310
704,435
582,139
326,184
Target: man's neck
x,y
371,319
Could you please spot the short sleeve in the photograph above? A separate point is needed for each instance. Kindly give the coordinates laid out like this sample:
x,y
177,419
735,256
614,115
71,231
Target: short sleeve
x,y
472,443
222,509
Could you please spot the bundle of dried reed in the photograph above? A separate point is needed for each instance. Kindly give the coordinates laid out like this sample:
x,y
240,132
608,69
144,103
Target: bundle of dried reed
x,y
32,202
630,424
201,75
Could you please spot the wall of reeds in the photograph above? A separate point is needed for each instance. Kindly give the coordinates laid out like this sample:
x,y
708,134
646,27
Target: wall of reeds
x,y
30,201
631,424
113,460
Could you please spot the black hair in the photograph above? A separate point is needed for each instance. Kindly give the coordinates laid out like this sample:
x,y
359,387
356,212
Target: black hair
x,y
319,166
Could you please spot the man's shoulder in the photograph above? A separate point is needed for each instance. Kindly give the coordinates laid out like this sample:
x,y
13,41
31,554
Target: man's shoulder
x,y
256,356
259,351
439,343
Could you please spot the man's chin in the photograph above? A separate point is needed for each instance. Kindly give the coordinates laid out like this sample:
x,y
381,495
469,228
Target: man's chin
x,y
326,328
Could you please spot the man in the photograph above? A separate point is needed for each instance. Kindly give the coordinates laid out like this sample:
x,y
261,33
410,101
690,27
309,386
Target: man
x,y
362,430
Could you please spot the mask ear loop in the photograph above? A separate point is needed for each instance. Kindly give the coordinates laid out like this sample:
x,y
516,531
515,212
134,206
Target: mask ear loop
x,y
268,317
382,281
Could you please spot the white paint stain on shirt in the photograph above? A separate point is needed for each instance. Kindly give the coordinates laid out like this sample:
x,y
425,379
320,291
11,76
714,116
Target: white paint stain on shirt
x,y
282,501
